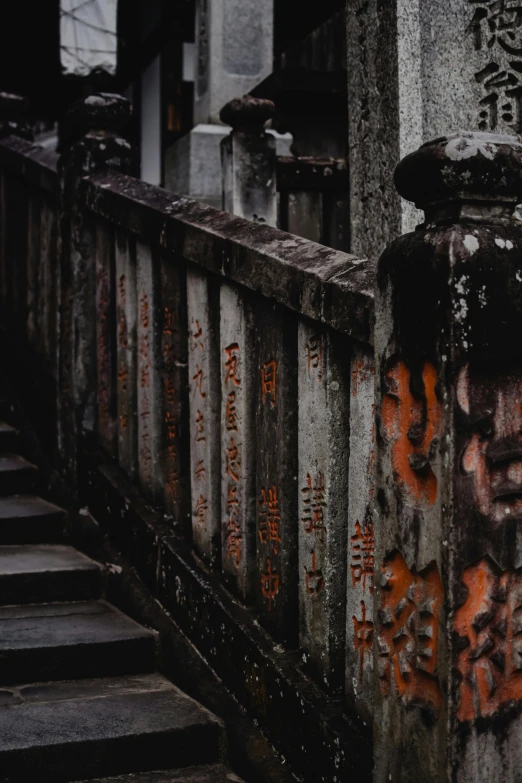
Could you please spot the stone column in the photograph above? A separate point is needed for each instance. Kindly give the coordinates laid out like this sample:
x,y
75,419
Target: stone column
x,y
93,142
234,50
417,70
248,158
448,596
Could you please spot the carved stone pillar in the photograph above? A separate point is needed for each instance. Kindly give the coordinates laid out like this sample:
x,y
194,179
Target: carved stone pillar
x,y
448,628
248,158
93,142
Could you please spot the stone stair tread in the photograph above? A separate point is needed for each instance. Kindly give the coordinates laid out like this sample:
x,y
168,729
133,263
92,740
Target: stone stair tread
x,y
108,726
7,429
54,625
208,773
9,463
27,559
25,506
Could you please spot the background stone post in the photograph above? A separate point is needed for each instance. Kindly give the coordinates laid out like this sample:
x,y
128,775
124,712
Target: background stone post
x,y
92,142
448,628
248,158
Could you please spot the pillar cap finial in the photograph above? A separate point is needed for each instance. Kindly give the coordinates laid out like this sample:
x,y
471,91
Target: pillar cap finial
x,y
463,167
101,111
247,112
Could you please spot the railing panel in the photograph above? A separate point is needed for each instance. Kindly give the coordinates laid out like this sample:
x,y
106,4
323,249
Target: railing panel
x,y
149,394
105,337
48,287
323,435
205,438
174,378
238,447
361,539
126,350
276,439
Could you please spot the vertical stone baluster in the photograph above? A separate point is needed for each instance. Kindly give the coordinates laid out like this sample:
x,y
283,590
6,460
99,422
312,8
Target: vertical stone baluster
x,y
92,143
361,537
324,402
126,350
176,492
238,492
204,398
248,157
448,696
276,471
149,394
106,337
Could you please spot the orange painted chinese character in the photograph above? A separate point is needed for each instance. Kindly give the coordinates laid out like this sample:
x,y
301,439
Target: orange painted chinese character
x,y
269,584
314,503
197,336
363,638
314,350
362,371
409,632
269,518
200,427
200,470
362,562
314,578
144,310
198,378
201,509
234,535
168,320
490,626
230,413
411,423
269,382
123,377
231,364
233,465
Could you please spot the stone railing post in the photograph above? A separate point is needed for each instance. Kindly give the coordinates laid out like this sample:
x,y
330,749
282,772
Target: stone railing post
x,y
448,629
248,157
13,117
92,142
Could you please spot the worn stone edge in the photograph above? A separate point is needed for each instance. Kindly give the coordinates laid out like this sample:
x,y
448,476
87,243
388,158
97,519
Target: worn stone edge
x,y
31,162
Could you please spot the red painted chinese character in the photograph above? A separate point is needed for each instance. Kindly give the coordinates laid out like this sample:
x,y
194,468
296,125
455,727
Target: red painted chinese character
x,y
231,364
269,518
363,638
362,560
314,504
269,382
269,584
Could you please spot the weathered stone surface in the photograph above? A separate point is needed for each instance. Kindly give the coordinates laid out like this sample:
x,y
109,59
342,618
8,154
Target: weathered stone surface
x,y
234,41
105,337
174,380
214,773
323,388
418,71
361,535
448,696
238,371
204,399
126,351
43,573
80,639
17,475
29,519
48,283
276,465
149,395
103,726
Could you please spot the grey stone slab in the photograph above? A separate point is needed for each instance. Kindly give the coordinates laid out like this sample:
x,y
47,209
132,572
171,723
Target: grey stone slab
x,y
37,573
16,474
238,448
214,773
323,436
29,519
88,638
204,400
234,41
66,731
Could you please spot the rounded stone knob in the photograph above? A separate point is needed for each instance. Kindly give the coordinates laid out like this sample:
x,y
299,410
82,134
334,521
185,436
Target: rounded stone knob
x,y
101,111
463,167
247,112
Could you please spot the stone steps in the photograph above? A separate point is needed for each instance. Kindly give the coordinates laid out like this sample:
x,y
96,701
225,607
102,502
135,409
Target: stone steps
x,y
83,729
95,707
46,573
